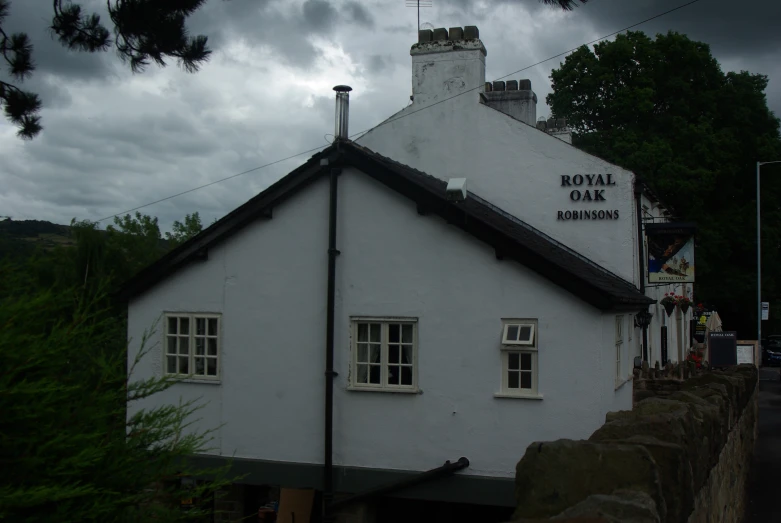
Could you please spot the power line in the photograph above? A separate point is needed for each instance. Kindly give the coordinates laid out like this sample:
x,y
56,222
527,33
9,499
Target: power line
x,y
404,115
214,182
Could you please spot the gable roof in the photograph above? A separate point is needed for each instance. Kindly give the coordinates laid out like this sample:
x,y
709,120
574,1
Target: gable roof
x,y
510,237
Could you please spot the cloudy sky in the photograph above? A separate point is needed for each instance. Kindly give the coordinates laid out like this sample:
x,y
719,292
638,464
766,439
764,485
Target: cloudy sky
x,y
113,140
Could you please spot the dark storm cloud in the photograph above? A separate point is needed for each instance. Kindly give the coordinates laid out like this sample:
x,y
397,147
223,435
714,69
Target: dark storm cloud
x,y
319,15
284,27
376,63
262,22
359,14
729,30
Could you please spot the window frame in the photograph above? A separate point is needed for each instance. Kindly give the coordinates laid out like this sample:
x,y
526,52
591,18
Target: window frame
x,y
531,347
192,336
520,324
383,386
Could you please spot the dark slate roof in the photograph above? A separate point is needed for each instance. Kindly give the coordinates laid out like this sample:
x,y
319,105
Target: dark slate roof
x,y
510,237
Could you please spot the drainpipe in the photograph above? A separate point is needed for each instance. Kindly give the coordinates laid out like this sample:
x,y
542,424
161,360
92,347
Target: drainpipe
x,y
330,373
445,470
342,112
641,254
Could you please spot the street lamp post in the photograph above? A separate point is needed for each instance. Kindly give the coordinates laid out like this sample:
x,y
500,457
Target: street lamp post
x,y
759,261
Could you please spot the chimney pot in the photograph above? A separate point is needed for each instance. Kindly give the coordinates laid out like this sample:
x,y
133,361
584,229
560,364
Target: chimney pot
x,y
561,123
488,87
525,85
456,33
342,112
551,123
541,125
440,34
425,35
512,85
471,32
498,85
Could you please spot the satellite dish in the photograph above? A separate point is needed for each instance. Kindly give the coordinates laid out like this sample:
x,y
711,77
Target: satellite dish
x,y
427,25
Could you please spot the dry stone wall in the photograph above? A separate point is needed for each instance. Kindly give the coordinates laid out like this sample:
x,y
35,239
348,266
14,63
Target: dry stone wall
x,y
681,455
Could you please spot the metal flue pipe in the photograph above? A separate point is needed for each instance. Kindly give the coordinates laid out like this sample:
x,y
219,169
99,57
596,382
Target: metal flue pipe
x,y
342,118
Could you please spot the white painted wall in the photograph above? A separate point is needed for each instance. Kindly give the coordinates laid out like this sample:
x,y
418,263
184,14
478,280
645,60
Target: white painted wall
x,y
518,168
269,281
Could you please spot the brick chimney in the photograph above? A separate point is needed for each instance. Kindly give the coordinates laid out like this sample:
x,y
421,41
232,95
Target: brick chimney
x,y
446,62
513,97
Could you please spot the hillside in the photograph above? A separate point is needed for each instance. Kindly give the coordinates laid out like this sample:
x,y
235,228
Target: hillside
x,y
21,238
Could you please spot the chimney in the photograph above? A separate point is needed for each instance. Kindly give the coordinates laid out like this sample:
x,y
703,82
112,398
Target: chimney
x,y
556,127
445,63
513,97
342,112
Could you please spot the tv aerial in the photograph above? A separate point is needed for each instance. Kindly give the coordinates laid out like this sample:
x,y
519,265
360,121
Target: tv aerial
x,y
418,4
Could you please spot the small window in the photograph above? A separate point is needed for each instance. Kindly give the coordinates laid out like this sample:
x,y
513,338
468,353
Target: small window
x,y
384,354
192,345
519,365
518,334
619,345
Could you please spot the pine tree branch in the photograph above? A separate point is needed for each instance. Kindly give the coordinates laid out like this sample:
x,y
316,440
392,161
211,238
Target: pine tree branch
x,y
567,5
68,26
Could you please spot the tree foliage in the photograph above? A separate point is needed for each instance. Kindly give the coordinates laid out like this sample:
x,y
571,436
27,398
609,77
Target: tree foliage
x,y
144,31
567,5
664,109
181,232
68,450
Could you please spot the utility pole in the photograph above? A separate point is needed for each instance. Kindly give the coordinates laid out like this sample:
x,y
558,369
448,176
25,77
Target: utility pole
x,y
759,259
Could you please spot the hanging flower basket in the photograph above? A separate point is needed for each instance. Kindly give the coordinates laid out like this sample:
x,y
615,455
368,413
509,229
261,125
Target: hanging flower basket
x,y
684,303
669,302
669,307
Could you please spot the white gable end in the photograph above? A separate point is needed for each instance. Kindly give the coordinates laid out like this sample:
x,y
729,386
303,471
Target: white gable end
x,y
268,282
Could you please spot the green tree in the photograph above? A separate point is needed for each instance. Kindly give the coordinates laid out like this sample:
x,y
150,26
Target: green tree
x,y
184,231
134,242
68,450
145,31
664,109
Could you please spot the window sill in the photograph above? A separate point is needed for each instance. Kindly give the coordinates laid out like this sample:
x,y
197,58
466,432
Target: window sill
x,y
620,384
195,380
518,396
380,389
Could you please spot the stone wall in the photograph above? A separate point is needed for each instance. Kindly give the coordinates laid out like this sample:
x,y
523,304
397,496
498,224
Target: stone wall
x,y
681,455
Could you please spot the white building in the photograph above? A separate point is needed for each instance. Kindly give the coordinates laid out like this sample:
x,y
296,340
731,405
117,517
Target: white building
x,y
463,328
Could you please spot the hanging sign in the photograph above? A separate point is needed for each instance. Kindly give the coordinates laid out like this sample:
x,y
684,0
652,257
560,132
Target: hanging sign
x,y
670,252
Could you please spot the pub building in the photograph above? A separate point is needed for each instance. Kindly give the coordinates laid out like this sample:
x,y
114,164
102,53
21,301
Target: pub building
x,y
381,333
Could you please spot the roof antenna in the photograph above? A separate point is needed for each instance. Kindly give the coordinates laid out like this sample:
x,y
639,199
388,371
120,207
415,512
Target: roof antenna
x,y
419,4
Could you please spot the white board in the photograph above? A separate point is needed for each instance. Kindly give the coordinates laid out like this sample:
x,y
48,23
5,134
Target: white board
x,y
745,354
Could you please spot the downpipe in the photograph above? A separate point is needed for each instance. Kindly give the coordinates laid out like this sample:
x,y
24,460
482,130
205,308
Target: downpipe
x,y
330,374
